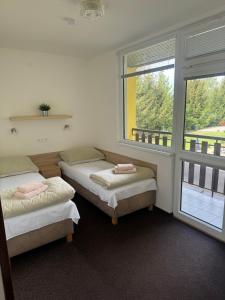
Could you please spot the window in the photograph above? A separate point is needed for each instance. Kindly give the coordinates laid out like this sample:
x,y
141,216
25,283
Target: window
x,y
204,130
148,83
205,115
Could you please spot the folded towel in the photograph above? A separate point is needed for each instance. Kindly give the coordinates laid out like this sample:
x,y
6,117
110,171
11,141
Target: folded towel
x,y
110,180
116,170
32,193
58,191
125,167
29,187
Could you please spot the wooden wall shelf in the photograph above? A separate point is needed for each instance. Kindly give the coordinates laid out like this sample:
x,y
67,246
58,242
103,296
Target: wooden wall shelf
x,y
37,117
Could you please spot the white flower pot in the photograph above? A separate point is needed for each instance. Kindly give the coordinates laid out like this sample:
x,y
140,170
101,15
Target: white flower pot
x,y
44,113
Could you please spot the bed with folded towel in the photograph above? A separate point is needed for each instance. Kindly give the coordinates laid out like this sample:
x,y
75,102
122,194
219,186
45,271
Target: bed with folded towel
x,y
117,189
36,210
50,192
118,176
83,173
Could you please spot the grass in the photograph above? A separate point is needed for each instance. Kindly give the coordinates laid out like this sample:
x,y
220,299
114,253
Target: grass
x,y
210,133
211,142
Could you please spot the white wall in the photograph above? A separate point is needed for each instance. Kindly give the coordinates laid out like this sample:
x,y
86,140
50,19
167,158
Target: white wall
x,y
104,85
29,78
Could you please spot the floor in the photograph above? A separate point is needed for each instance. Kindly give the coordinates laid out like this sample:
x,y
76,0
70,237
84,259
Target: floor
x,y
149,255
199,203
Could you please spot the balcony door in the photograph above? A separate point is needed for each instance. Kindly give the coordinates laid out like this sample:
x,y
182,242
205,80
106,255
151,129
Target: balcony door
x,y
199,183
200,164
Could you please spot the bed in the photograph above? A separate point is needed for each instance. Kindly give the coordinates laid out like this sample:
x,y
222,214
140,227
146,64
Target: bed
x,y
118,201
28,231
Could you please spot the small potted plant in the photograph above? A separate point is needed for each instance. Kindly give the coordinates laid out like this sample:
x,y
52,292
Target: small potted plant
x,y
44,108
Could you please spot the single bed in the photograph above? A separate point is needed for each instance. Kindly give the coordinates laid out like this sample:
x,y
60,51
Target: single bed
x,y
28,231
116,202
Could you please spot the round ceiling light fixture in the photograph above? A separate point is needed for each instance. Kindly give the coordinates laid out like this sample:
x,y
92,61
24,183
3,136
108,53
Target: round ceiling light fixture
x,y
92,9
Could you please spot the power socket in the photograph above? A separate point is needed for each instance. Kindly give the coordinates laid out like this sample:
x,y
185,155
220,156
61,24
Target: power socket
x,y
42,140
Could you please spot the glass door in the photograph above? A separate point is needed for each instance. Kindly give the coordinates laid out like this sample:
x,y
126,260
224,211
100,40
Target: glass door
x,y
200,163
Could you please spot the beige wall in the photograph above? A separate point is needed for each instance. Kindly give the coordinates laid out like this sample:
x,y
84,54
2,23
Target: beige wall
x,y
88,90
29,78
105,93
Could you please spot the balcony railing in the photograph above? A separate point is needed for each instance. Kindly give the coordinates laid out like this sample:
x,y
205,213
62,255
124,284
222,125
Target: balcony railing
x,y
212,179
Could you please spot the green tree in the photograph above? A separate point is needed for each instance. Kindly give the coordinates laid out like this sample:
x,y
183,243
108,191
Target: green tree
x,y
205,102
198,103
154,102
217,103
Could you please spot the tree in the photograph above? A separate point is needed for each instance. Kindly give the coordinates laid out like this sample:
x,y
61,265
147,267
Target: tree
x,y
154,102
205,102
217,103
198,103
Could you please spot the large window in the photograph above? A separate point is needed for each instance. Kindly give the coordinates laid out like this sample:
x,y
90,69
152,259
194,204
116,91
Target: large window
x,y
186,118
148,81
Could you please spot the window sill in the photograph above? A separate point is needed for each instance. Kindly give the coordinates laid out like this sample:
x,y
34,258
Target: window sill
x,y
158,150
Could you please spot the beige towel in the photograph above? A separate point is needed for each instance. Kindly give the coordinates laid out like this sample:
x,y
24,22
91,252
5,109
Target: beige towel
x,y
58,191
108,179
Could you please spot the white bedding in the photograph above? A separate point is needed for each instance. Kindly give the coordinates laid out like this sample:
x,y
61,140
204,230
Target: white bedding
x,y
81,172
34,220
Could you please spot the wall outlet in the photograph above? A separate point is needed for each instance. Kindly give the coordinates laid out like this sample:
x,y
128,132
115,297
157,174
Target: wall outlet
x,y
42,140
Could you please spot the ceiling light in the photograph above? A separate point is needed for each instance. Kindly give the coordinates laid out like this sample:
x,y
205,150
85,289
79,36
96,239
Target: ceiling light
x,y
92,9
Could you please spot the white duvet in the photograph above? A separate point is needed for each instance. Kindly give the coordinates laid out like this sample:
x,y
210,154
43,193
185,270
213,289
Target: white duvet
x,y
18,225
81,172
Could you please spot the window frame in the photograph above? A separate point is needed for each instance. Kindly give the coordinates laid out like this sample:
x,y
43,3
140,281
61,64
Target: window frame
x,y
202,65
188,68
122,98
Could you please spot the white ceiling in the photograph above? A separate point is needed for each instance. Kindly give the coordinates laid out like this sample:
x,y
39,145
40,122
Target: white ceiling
x,y
38,25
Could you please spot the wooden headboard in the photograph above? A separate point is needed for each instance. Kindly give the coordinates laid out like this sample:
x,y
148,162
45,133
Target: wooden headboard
x,y
47,160
116,158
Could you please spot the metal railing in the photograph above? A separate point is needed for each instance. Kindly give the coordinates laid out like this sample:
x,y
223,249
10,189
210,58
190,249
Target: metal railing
x,y
198,175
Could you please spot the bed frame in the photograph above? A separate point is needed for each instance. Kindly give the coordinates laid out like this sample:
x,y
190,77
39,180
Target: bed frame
x,y
40,237
125,206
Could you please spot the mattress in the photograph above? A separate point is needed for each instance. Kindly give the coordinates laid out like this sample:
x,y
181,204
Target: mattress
x,y
81,172
34,220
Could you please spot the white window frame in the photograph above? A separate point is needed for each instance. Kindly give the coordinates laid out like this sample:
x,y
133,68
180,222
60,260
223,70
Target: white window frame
x,y
211,64
151,147
205,65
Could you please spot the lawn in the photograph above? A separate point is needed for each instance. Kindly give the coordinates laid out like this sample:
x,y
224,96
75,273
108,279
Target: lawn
x,y
209,133
212,133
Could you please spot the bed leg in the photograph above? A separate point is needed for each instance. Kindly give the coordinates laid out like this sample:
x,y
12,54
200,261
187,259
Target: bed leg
x,y
150,208
69,237
114,220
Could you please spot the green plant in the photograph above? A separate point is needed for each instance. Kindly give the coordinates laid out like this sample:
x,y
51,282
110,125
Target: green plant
x,y
44,107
